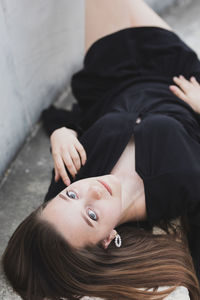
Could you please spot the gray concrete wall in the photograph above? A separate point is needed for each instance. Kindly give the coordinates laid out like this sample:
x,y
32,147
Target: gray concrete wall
x,y
160,5
41,45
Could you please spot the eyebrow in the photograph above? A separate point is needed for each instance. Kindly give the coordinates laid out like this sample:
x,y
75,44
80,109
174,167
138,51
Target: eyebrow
x,y
63,197
87,220
83,216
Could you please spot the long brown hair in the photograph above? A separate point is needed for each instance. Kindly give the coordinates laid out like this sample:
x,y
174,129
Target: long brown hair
x,y
39,263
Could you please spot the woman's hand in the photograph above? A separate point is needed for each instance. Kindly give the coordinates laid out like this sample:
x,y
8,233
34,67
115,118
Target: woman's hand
x,y
66,151
188,91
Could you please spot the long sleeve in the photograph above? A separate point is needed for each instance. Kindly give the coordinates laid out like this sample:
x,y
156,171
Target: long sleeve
x,y
174,194
90,94
54,118
168,160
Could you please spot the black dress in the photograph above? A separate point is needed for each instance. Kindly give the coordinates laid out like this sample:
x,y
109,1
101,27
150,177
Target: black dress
x,y
123,90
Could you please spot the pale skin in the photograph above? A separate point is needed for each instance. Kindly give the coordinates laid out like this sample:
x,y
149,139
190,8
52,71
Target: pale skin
x,y
187,90
85,212
88,200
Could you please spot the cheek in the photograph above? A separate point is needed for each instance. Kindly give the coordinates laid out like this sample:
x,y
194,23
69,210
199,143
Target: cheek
x,y
111,212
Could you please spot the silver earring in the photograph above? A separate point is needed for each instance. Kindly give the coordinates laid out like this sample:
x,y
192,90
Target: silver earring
x,y
118,241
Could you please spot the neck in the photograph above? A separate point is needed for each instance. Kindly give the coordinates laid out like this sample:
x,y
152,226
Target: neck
x,y
132,199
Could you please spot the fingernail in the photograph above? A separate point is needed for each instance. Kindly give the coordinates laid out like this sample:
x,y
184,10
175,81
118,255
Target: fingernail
x,y
175,77
181,76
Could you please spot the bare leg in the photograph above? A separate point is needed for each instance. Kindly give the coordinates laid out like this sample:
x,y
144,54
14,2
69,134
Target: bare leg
x,y
103,17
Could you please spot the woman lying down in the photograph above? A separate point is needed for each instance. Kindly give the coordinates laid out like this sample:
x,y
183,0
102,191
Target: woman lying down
x,y
126,158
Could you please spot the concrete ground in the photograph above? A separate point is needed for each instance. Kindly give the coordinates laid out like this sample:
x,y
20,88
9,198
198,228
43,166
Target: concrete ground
x,y
26,181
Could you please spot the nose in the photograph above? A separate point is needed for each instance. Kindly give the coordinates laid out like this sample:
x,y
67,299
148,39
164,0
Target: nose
x,y
95,192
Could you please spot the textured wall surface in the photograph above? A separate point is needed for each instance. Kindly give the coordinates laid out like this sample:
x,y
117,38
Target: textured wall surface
x,y
160,5
41,45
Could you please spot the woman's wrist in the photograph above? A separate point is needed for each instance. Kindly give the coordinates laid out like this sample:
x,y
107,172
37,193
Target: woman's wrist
x,y
72,131
68,130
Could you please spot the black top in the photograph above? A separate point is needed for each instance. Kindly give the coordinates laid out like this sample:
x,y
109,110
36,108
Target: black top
x,y
123,90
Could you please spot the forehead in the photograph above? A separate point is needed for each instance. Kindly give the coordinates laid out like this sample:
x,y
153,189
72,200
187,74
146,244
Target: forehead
x,y
68,220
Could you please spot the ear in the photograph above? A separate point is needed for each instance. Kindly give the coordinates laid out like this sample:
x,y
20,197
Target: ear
x,y
106,242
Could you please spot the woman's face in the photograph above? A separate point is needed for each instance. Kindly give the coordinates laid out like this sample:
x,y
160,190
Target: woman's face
x,y
86,212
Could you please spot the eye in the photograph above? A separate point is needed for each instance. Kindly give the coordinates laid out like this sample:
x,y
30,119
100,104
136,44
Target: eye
x,y
92,215
71,194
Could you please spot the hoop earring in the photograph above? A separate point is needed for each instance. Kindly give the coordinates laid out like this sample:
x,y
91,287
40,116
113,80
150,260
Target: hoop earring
x,y
118,241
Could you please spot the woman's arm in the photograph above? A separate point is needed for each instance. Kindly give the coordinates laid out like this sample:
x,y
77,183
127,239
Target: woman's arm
x,y
54,118
188,91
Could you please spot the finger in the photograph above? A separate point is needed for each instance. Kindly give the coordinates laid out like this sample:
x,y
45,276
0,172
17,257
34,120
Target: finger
x,y
178,92
75,158
82,152
61,169
57,175
194,81
69,164
182,83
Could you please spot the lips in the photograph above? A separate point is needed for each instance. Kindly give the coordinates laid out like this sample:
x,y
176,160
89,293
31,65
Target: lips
x,y
106,186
